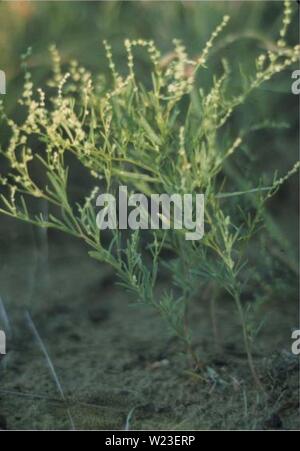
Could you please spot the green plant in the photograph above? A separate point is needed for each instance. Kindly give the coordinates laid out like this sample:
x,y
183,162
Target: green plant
x,y
165,135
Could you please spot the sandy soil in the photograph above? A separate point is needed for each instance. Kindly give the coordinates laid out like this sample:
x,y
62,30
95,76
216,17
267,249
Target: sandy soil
x,y
117,364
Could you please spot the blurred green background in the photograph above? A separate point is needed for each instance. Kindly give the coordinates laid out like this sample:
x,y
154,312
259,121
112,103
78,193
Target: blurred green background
x,y
78,29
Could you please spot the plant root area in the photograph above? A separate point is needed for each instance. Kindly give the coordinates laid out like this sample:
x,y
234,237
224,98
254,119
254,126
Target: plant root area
x,y
117,365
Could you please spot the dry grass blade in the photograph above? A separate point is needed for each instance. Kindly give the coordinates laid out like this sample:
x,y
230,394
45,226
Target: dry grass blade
x,y
128,419
49,363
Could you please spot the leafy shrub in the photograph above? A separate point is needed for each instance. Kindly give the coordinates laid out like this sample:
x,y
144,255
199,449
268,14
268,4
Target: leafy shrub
x,y
163,135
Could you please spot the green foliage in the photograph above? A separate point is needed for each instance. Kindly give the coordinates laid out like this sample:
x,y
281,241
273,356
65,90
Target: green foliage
x,y
164,135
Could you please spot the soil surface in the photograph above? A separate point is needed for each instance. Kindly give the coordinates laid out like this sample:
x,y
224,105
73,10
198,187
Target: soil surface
x,y
117,366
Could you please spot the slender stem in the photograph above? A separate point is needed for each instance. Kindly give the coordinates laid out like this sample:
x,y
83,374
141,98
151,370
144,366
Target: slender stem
x,y
212,300
247,342
187,341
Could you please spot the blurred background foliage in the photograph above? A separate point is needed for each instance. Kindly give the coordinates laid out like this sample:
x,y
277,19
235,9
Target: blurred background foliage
x,y
78,29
